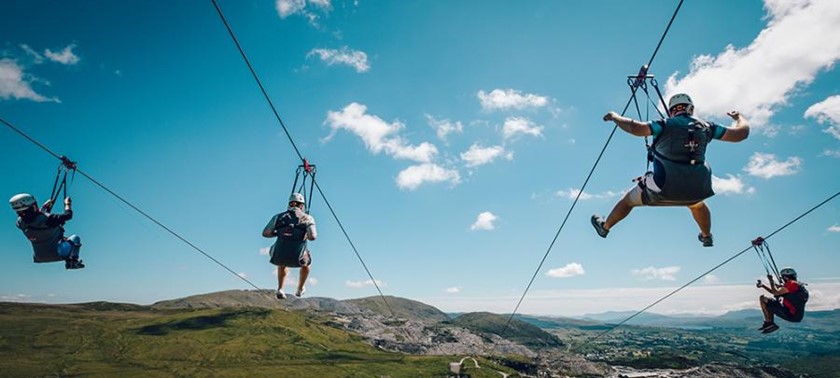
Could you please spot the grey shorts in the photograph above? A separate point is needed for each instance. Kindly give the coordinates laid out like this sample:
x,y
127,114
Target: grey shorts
x,y
634,195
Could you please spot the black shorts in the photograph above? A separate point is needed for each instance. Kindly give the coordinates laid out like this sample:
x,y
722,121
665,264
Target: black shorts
x,y
780,310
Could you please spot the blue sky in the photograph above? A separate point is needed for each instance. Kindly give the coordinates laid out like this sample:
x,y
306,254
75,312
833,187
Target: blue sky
x,y
449,137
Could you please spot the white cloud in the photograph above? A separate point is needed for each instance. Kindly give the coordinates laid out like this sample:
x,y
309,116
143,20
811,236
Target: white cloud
x,y
514,126
827,112
312,281
37,58
14,83
484,221
65,56
478,155
445,127
265,251
353,58
452,290
242,274
412,177
573,193
361,284
506,99
378,135
766,166
667,273
834,228
711,279
731,185
570,270
801,39
831,153
286,8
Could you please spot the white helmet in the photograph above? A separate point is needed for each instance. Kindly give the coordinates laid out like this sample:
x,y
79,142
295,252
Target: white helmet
x,y
789,272
22,202
681,99
297,197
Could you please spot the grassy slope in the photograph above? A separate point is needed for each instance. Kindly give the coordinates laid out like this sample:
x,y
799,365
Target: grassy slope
x,y
518,330
38,340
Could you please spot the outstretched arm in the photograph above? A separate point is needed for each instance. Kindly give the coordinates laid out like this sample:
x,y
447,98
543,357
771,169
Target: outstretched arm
x,y
629,125
739,131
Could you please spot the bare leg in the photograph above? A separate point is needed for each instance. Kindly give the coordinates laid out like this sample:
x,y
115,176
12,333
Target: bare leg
x,y
703,217
768,316
304,275
620,211
281,276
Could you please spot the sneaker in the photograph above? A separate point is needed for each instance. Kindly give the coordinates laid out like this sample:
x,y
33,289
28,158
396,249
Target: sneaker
x,y
300,292
73,264
280,294
770,328
706,240
598,223
765,325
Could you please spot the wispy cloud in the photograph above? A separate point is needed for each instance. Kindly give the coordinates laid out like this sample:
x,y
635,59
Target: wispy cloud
x,y
452,290
378,135
710,279
834,228
507,99
766,166
827,112
16,84
570,270
484,221
412,177
361,284
265,251
515,126
730,185
668,273
798,42
478,155
573,193
445,127
37,58
286,8
64,56
831,153
242,274
353,58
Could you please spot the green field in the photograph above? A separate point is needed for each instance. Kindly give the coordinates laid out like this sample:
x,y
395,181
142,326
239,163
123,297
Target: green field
x,y
109,340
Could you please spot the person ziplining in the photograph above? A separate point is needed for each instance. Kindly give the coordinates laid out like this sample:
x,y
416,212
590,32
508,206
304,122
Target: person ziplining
x,y
293,229
680,176
789,296
46,230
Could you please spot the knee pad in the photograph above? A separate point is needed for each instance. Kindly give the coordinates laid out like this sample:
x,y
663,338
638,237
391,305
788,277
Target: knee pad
x,y
76,240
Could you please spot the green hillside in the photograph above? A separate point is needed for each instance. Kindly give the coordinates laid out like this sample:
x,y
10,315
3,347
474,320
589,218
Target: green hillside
x,y
109,340
518,330
403,308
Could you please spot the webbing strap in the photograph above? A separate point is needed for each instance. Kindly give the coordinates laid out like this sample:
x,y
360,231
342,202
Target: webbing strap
x,y
303,173
762,249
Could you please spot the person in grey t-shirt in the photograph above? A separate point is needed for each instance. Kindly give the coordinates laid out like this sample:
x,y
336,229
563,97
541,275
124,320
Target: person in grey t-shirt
x,y
292,228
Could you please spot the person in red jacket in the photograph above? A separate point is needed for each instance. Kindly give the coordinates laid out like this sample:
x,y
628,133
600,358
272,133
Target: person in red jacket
x,y
788,301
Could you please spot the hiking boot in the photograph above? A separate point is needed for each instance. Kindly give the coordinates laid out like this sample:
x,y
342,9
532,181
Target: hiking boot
x,y
279,294
598,223
770,328
300,292
706,240
765,325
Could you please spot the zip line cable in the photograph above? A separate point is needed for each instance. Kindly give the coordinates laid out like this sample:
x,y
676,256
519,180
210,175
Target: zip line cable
x,y
131,205
297,151
591,171
713,269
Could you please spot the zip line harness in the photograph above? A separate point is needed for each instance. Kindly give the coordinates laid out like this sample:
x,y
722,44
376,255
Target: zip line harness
x,y
60,184
303,173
